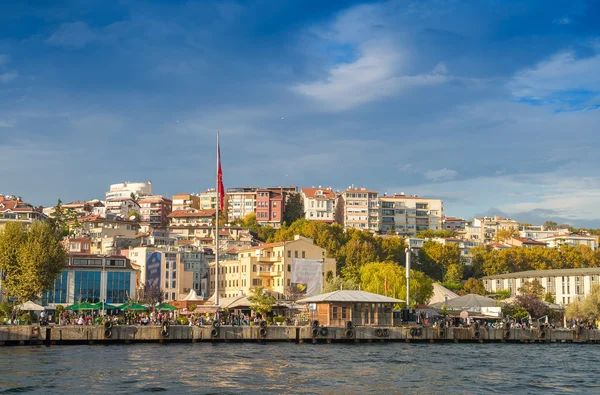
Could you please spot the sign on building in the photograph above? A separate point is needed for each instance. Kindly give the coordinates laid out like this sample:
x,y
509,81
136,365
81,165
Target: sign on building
x,y
153,265
307,276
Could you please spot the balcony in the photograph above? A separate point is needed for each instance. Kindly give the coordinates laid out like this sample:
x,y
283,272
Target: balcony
x,y
269,259
268,274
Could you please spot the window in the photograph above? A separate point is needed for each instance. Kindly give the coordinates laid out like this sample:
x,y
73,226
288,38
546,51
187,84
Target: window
x,y
289,268
295,254
253,268
335,313
173,284
289,253
344,312
303,254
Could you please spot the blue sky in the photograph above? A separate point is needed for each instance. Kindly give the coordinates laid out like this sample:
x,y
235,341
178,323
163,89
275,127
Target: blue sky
x,y
492,106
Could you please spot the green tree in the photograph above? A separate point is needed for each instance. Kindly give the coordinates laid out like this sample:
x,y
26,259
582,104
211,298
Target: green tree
x,y
432,234
261,301
294,209
443,255
63,220
374,275
506,234
339,283
550,225
133,216
574,310
454,274
360,250
474,286
31,258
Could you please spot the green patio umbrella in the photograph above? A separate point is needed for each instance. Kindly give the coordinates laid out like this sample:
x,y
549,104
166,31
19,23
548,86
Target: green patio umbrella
x,y
133,307
166,307
106,306
82,306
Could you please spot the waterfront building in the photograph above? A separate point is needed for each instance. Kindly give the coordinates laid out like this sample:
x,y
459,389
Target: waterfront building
x,y
565,285
409,214
319,204
12,208
269,266
126,189
155,210
186,201
93,278
358,208
359,307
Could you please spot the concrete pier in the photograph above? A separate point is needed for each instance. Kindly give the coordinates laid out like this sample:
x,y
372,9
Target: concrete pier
x,y
56,335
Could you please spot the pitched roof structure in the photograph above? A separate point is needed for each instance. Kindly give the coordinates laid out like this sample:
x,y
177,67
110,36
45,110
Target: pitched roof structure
x,y
350,296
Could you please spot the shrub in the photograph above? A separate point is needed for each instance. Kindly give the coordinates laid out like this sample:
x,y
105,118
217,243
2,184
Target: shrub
x,y
183,321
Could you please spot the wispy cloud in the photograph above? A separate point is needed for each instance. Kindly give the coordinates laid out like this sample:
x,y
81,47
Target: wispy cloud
x,y
7,77
440,174
74,35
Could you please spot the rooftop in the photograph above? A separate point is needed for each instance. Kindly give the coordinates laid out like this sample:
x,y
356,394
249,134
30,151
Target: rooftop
x,y
350,296
548,273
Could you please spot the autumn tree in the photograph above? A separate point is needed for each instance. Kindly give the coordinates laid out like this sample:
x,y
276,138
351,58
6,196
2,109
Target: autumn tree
x,y
474,286
532,287
63,220
339,283
31,258
530,302
432,234
506,234
374,276
261,301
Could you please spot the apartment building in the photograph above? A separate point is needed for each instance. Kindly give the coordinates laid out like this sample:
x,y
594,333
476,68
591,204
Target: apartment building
x,y
358,208
185,201
121,207
12,208
108,235
240,202
269,266
270,206
570,239
126,189
409,214
319,204
208,199
192,224
565,285
485,228
453,224
155,210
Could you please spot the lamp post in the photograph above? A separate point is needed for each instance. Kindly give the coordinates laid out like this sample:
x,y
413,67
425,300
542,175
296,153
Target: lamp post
x,y
408,256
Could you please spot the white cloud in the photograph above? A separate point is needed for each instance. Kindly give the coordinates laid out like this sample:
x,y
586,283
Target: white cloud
x,y
440,174
7,77
74,35
560,73
564,21
405,168
375,75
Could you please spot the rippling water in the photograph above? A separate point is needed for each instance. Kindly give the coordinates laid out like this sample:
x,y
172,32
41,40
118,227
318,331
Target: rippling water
x,y
290,368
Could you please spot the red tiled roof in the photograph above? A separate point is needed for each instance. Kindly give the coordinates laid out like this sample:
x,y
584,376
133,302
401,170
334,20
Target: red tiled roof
x,y
310,193
16,205
268,245
154,200
525,240
193,213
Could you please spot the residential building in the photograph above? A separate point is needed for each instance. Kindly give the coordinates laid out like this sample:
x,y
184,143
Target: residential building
x,y
126,189
191,224
195,261
538,232
465,247
565,285
157,238
155,210
319,204
108,235
270,206
93,278
185,201
524,242
12,208
570,239
121,207
453,224
78,245
208,199
358,208
240,202
484,229
86,208
409,214
269,266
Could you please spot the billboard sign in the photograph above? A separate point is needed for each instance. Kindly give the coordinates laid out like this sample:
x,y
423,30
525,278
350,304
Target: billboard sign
x,y
153,266
307,276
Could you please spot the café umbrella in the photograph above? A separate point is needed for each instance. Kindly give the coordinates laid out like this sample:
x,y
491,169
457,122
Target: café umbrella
x,y
166,307
82,306
133,307
105,306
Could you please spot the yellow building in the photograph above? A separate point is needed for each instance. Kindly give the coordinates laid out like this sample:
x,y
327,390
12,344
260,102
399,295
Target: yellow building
x,y
269,266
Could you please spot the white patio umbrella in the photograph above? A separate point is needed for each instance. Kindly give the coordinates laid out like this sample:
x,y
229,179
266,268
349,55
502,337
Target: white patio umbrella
x,y
30,306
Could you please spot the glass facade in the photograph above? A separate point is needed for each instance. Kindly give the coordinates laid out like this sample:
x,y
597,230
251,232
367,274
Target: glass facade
x,y
59,293
87,286
117,287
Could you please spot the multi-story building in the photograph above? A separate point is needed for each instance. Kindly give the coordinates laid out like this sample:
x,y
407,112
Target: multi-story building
x,y
319,204
93,278
155,210
121,207
108,236
240,202
78,245
269,266
485,228
524,242
407,215
538,232
12,208
185,201
270,206
86,208
191,224
358,208
196,262
127,189
453,224
570,239
565,285
157,238
161,269
208,199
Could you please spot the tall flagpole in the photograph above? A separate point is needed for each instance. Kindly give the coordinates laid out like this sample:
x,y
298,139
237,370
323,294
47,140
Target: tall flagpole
x,y
217,189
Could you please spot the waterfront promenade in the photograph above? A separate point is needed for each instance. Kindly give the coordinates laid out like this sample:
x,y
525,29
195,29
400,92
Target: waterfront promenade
x,y
64,335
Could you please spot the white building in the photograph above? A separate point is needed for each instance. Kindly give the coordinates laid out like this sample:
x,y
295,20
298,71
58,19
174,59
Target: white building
x,y
573,240
120,207
408,214
319,204
240,202
538,232
565,285
125,189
